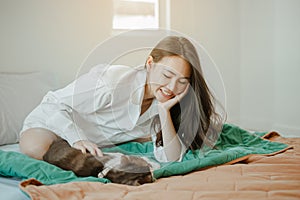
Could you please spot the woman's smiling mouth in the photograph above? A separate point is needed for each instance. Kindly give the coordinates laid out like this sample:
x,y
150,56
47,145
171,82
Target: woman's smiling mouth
x,y
166,93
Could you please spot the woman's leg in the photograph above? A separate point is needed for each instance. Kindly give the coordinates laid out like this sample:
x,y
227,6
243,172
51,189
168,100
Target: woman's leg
x,y
35,142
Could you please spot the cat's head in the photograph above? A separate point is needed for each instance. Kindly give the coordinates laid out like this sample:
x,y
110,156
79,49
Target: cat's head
x,y
129,170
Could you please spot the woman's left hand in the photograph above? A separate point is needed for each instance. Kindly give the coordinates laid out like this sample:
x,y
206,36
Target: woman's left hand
x,y
171,102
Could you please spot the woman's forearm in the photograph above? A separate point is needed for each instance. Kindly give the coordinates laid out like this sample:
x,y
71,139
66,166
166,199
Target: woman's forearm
x,y
171,143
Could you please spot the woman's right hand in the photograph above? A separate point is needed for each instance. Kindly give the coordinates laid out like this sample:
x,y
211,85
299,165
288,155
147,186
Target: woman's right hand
x,y
85,146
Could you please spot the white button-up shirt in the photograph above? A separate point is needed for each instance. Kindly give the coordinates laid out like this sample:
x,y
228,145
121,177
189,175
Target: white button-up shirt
x,y
102,106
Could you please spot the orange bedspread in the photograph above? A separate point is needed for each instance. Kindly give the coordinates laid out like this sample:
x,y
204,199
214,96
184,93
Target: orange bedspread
x,y
255,177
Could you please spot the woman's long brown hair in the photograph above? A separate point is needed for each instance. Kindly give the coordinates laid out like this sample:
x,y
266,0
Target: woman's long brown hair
x,y
194,117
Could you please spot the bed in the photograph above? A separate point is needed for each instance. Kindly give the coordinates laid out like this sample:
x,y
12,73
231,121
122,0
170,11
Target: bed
x,y
272,176
248,165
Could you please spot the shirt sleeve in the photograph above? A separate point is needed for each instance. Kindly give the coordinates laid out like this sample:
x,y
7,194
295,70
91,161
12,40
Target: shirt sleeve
x,y
160,154
84,96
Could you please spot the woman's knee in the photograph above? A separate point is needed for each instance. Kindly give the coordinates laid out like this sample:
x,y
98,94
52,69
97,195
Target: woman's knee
x,y
36,141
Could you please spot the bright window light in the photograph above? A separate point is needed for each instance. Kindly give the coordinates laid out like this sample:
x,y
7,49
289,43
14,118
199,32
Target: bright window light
x,y
135,14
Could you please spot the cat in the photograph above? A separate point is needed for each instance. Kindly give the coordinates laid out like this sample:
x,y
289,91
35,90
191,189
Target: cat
x,y
117,167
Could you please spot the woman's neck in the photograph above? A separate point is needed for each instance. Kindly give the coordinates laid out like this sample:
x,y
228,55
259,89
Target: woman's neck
x,y
147,99
148,96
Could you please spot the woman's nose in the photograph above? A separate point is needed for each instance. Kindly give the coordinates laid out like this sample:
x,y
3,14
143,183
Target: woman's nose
x,y
176,87
172,86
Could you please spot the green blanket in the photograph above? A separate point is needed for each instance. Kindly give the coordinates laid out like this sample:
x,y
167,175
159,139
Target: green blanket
x,y
232,144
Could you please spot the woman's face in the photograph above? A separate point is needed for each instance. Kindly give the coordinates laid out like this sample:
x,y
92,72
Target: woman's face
x,y
168,77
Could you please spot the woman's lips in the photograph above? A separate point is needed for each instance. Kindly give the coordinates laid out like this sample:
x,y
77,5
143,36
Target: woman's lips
x,y
166,93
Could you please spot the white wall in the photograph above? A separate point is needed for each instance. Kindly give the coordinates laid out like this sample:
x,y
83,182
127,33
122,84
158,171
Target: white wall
x,y
255,44
257,64
215,24
270,65
287,66
51,35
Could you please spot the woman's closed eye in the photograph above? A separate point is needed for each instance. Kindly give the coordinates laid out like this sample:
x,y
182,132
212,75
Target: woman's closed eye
x,y
167,76
183,81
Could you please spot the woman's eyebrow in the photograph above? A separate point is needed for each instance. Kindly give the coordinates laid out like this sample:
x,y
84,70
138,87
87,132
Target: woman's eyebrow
x,y
173,73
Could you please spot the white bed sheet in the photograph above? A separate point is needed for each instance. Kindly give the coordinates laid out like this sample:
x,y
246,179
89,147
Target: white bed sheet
x,y
9,187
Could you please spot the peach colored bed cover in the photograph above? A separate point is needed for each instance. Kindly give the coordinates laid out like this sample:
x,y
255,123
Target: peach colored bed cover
x,y
253,177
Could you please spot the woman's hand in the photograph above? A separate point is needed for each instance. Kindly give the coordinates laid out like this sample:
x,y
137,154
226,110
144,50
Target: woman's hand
x,y
171,102
85,146
171,143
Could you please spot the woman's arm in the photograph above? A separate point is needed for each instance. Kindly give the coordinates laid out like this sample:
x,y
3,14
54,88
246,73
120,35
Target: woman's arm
x,y
85,95
171,143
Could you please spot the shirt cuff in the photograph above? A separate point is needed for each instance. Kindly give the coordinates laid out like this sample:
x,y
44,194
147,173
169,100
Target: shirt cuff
x,y
160,154
74,135
68,130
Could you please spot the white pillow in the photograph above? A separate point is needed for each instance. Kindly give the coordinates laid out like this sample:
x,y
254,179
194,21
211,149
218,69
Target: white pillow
x,y
19,95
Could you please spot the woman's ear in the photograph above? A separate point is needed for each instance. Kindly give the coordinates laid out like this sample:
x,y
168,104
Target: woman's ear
x,y
149,63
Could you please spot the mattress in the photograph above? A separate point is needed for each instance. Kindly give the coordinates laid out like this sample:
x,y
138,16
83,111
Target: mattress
x,y
275,176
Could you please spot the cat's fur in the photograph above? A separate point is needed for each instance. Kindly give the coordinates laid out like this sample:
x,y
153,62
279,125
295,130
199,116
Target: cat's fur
x,y
123,169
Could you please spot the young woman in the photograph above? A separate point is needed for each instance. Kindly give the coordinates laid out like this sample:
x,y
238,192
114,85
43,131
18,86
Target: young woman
x,y
167,100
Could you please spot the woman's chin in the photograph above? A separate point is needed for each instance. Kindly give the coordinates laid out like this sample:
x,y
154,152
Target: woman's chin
x,y
162,100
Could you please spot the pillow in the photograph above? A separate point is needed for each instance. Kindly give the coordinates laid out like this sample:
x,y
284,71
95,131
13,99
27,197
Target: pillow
x,y
20,94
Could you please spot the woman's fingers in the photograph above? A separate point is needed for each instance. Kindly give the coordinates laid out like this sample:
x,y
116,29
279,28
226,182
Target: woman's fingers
x,y
93,149
171,102
90,149
85,146
99,152
78,145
